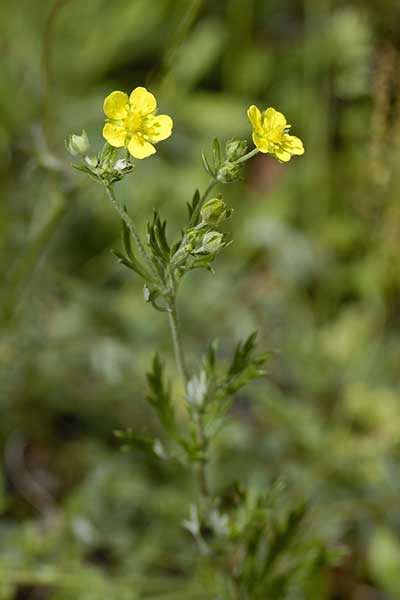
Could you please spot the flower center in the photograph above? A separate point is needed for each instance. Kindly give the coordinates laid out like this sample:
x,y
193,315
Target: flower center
x,y
275,134
133,122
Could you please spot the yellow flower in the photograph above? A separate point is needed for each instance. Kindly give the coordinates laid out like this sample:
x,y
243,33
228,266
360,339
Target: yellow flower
x,y
270,134
132,122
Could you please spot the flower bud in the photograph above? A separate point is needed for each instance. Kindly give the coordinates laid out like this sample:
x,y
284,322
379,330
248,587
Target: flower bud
x,y
197,389
123,166
192,238
214,212
78,145
235,149
212,242
229,172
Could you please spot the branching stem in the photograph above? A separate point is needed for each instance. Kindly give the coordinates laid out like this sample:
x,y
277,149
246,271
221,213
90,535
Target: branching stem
x,y
248,156
132,228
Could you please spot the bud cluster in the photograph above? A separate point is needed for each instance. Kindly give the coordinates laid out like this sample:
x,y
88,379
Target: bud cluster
x,y
230,169
226,168
105,167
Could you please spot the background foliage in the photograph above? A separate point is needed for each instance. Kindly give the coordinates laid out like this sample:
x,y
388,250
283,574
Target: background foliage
x,y
314,266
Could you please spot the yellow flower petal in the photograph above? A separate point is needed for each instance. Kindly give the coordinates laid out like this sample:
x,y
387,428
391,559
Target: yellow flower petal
x,y
254,115
115,105
114,134
282,155
159,128
272,119
139,148
261,143
142,102
293,144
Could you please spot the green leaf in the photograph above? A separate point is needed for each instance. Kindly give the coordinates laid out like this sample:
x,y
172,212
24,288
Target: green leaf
x,y
194,204
133,441
216,154
152,295
245,366
242,354
210,359
283,536
126,238
131,263
194,453
87,171
160,395
206,165
157,240
204,262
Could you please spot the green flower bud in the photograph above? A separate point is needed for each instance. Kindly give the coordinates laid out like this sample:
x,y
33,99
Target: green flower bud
x,y
78,145
214,212
212,242
229,172
235,149
192,238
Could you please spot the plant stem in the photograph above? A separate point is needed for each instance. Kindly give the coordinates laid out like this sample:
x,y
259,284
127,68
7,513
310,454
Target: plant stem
x,y
200,467
177,340
248,155
131,226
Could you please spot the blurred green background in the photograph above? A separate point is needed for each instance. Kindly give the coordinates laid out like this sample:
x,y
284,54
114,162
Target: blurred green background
x,y
315,267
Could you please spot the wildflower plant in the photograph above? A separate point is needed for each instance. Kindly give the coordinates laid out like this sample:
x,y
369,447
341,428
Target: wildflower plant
x,y
241,543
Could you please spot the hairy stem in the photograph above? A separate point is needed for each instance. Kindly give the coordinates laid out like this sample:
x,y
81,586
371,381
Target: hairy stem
x,y
202,464
177,341
200,467
132,228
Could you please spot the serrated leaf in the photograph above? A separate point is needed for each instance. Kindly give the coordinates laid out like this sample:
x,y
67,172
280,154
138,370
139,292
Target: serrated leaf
x,y
132,264
242,354
245,366
156,237
283,537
